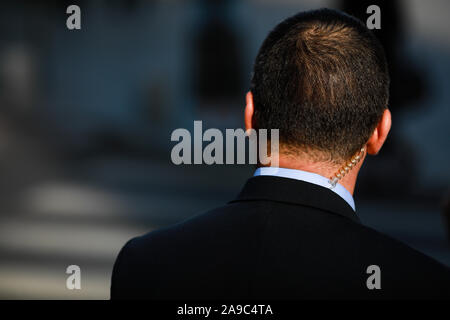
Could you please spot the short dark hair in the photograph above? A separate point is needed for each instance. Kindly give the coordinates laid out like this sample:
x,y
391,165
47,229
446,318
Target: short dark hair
x,y
321,78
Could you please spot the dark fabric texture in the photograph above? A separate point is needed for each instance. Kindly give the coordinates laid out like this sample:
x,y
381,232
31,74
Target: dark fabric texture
x,y
279,239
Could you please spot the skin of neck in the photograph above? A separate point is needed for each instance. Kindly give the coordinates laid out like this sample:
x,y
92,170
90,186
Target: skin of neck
x,y
325,169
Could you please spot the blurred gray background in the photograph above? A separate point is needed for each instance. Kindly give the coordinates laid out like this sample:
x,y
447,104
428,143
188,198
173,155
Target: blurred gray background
x,y
86,118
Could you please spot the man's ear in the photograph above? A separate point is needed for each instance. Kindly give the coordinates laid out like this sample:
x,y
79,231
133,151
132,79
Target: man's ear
x,y
249,111
380,133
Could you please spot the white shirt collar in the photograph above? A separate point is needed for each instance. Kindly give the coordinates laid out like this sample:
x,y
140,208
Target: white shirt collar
x,y
310,177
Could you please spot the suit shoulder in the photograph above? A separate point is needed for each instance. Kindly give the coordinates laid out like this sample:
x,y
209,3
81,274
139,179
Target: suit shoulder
x,y
219,220
193,227
382,246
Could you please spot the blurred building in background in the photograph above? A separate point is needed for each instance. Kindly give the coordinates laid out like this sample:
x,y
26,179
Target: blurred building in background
x,y
86,118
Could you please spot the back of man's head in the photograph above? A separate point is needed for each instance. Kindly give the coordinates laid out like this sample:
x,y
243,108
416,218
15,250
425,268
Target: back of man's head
x,y
321,78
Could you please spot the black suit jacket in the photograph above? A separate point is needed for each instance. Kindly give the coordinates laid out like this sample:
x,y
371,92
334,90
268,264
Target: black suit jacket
x,y
281,238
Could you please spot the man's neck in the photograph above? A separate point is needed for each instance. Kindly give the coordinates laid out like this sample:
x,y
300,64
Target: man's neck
x,y
324,169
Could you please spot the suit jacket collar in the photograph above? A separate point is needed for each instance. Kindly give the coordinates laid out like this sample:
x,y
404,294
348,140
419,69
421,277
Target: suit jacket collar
x,y
295,192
